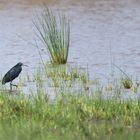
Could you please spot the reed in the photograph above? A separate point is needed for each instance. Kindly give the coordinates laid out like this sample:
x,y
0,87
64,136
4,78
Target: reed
x,y
54,32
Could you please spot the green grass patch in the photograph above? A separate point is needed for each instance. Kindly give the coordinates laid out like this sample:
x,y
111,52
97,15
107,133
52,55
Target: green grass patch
x,y
70,117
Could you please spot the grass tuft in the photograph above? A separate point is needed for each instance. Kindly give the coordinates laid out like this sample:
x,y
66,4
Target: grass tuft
x,y
127,83
54,32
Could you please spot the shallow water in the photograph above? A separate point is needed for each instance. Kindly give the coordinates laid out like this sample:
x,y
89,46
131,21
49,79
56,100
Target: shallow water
x,y
102,31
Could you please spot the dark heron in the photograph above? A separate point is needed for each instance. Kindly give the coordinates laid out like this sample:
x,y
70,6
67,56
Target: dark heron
x,y
12,74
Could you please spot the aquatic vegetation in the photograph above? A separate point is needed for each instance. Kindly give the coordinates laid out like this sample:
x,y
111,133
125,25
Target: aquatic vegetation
x,y
75,112
126,80
54,31
127,83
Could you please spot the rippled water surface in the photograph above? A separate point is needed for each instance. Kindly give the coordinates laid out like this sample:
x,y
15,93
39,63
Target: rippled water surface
x,y
101,31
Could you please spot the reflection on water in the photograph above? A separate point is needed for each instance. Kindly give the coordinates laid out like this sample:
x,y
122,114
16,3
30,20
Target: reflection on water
x,y
102,31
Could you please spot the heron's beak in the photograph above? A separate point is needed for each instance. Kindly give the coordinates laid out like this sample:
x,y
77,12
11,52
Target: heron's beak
x,y
25,65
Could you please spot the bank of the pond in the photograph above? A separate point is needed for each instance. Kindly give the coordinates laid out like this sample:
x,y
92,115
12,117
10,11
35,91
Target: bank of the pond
x,y
70,117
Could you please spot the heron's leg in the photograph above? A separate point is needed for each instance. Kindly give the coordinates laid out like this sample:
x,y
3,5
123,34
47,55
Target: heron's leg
x,y
14,85
11,86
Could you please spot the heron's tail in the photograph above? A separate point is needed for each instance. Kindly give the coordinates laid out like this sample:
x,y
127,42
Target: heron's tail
x,y
3,81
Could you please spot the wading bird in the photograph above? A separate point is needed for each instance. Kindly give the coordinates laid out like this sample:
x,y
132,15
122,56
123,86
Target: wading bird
x,y
12,74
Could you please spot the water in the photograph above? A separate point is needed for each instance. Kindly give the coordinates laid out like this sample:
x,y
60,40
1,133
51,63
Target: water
x,y
102,31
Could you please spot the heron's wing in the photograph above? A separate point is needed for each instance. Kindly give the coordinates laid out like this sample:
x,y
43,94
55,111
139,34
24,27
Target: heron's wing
x,y
11,74
14,72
